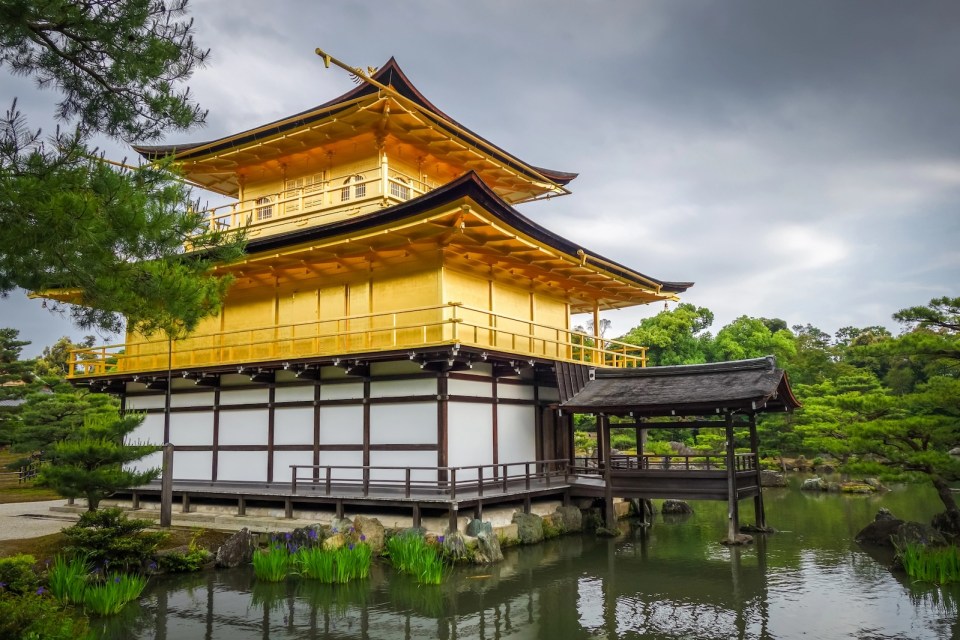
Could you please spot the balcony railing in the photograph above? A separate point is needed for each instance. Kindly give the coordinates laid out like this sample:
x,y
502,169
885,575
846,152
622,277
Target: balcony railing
x,y
452,323
325,198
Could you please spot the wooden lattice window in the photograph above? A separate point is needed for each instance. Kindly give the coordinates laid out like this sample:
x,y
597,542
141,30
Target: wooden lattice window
x,y
359,188
264,208
399,188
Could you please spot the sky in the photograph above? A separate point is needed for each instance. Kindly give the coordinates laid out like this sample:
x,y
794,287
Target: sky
x,y
797,160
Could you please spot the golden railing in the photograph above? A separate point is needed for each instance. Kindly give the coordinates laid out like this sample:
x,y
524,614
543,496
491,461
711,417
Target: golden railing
x,y
331,196
452,323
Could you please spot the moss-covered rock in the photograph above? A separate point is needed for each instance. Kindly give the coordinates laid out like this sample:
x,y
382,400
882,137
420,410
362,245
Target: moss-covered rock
x,y
572,518
529,527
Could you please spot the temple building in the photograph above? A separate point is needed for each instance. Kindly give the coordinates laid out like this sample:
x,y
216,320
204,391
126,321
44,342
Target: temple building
x,y
396,323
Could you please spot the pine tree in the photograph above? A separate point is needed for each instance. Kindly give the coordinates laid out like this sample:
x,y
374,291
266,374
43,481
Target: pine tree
x,y
15,377
90,463
112,236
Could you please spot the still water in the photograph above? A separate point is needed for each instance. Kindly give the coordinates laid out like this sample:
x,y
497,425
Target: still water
x,y
673,580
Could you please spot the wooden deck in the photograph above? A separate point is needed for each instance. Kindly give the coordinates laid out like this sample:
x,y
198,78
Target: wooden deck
x,y
468,489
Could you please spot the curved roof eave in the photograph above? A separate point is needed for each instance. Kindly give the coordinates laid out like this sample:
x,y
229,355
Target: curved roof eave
x,y
389,74
467,186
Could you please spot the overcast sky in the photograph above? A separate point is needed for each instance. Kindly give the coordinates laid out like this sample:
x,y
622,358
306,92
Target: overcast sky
x,y
798,160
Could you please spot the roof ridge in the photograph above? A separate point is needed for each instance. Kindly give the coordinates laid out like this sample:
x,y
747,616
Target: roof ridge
x,y
765,362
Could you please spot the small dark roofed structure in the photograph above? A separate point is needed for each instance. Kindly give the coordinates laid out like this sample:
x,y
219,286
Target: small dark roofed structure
x,y
720,395
740,386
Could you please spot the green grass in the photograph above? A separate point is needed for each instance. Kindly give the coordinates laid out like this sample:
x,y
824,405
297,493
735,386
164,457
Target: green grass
x,y
272,565
340,566
315,564
69,582
109,597
67,579
940,565
412,555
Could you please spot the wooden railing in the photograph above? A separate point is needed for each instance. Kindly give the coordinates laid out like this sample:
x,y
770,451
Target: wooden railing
x,y
439,482
330,196
452,323
715,462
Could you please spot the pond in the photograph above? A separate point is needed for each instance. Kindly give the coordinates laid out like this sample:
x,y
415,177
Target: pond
x,y
673,580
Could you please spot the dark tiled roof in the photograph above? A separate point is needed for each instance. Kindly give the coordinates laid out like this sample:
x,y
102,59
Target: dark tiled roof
x,y
701,389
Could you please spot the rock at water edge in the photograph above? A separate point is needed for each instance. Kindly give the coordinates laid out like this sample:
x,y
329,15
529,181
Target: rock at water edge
x,y
237,549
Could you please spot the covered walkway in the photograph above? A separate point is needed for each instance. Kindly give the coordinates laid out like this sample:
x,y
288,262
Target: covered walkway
x,y
723,395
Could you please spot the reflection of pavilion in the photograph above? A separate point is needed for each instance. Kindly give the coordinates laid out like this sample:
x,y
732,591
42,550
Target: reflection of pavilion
x,y
570,587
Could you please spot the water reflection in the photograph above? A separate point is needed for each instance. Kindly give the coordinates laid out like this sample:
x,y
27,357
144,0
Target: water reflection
x,y
671,580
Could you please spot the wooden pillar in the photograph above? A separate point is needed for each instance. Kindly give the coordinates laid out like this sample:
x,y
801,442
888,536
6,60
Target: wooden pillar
x,y
603,432
733,514
166,486
759,515
596,334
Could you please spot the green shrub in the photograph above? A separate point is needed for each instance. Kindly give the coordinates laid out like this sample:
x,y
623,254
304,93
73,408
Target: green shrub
x,y
37,617
658,448
184,562
108,538
17,575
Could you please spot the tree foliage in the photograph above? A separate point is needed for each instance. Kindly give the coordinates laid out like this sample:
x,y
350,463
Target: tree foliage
x,y
51,415
677,336
117,64
111,236
877,403
90,463
15,381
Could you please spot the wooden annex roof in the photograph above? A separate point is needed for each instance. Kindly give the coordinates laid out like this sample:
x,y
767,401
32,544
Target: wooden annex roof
x,y
472,227
213,164
746,386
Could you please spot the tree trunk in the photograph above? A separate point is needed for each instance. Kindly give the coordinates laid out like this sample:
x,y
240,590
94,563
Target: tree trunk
x,y
946,496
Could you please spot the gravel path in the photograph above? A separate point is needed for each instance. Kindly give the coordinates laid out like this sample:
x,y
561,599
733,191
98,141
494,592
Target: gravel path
x,y
31,519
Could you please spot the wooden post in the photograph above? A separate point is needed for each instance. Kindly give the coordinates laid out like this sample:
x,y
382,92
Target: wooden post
x,y
758,511
733,514
596,359
603,431
166,486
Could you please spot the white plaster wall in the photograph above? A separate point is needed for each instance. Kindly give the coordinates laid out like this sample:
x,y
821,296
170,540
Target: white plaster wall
x,y
152,461
247,466
343,458
515,391
282,461
403,423
481,388
150,430
191,428
342,391
191,399
515,433
245,426
412,387
139,403
404,459
293,425
245,396
293,394
469,436
192,465
549,394
341,425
